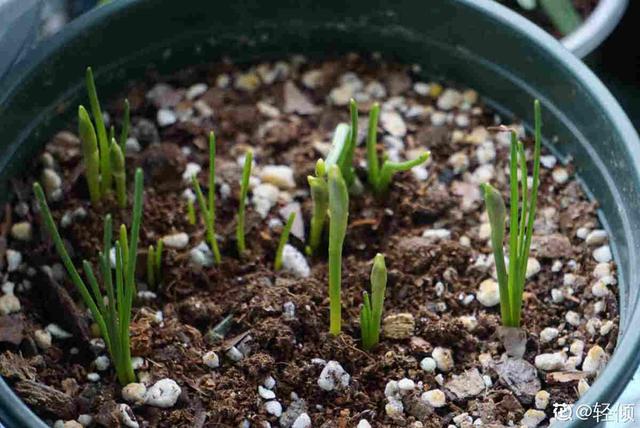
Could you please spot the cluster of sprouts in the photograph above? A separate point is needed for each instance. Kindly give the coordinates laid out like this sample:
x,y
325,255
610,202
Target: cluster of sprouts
x,y
111,304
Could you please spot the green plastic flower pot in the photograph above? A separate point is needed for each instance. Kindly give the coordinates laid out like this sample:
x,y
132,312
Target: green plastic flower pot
x,y
479,44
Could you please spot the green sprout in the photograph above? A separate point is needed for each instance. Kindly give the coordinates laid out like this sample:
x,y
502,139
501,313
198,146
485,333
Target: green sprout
x,y
283,240
521,219
97,148
154,264
380,177
113,315
320,198
191,212
371,311
208,207
338,218
244,190
119,173
343,146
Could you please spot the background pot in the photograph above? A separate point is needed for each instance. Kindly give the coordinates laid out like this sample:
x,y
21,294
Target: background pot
x,y
595,28
476,43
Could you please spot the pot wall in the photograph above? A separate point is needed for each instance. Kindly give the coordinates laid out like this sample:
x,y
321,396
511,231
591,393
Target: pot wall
x,y
477,43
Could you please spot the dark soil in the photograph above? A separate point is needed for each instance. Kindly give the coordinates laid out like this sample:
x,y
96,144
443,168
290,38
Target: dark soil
x,y
427,279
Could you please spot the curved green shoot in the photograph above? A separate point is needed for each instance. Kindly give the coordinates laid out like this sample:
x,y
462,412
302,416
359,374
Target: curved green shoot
x,y
119,173
320,198
338,218
244,190
371,311
103,141
90,153
284,237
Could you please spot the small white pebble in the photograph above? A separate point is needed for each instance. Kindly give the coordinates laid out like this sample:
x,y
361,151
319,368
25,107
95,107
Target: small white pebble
x,y
572,318
85,420
583,387
93,377
211,360
9,304
443,358
606,327
533,267
134,392
435,235
434,398
265,393
333,376
532,418
14,259
56,331
164,393
166,117
548,161
42,339
21,231
234,354
548,334
550,362
394,407
126,416
594,360
596,237
560,175
191,170
542,399
488,293
599,289
196,90
302,421
279,175
602,254
176,240
294,261
406,385
487,381
102,363
556,266
274,408
557,296
428,364
269,382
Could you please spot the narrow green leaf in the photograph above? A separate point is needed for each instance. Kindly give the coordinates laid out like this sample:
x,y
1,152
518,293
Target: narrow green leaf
x,y
90,154
244,190
119,173
103,142
373,165
338,218
284,237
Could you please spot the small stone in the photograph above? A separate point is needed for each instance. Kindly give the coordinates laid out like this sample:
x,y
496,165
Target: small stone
x,y
459,161
196,90
602,270
466,385
363,423
166,117
602,254
550,362
583,387
606,327
557,296
265,393
289,310
594,360
542,399
42,339
14,260
393,123
85,420
488,293
462,120
548,334
449,99
21,231
247,82
572,318
102,363
428,364
126,416
599,289
56,331
486,152
548,161
234,354
406,385
191,170
211,360
463,420
134,392
577,347
313,79
434,235
294,261
532,418
394,408
302,421
556,266
434,398
469,322
391,389
9,304
265,196
51,181
72,424
333,377
520,376
443,358
93,377
341,95
177,240
297,102
164,393
438,118
533,267
560,175
278,175
596,237
398,326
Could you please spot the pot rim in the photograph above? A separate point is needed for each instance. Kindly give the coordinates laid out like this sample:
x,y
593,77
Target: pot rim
x,y
596,28
625,358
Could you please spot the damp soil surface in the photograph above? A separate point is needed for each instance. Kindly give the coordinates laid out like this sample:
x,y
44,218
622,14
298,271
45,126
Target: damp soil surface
x,y
431,227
